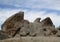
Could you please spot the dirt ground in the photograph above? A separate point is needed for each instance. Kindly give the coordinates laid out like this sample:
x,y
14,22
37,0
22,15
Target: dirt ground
x,y
32,39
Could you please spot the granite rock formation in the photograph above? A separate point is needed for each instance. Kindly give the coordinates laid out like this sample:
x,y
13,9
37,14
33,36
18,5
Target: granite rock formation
x,y
12,23
16,24
3,35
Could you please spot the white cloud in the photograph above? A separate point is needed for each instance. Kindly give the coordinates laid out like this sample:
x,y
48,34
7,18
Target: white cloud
x,y
33,14
32,4
52,4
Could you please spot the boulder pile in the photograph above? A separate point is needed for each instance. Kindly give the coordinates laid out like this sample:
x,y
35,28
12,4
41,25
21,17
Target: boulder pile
x,y
17,25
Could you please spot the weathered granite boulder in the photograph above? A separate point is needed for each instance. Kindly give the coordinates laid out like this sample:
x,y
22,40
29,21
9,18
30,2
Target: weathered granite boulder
x,y
17,25
48,24
25,29
12,23
38,28
42,28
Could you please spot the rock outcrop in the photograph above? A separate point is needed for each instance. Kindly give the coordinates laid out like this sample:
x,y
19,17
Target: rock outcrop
x,y
47,22
16,24
48,25
12,23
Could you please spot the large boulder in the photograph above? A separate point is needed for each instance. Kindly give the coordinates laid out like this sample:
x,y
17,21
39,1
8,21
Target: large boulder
x,y
36,28
47,22
48,25
42,28
13,23
25,29
17,25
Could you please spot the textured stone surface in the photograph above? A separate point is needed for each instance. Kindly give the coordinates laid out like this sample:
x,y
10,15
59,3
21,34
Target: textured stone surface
x,y
13,22
16,24
3,35
47,22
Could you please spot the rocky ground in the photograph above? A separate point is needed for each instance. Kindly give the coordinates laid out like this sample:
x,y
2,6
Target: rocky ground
x,y
32,39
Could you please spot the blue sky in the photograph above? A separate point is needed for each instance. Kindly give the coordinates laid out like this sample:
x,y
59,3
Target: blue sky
x,y
32,9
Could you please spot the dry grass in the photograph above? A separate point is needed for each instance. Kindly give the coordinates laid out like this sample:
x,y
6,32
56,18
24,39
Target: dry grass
x,y
33,39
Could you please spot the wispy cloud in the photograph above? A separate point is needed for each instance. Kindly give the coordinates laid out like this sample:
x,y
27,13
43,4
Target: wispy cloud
x,y
52,4
32,9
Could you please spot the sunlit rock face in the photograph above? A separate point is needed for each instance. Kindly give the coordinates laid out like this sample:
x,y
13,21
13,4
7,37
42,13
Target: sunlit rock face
x,y
17,25
12,23
48,24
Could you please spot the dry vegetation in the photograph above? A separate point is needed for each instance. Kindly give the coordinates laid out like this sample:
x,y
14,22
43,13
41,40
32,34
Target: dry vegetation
x,y
32,39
